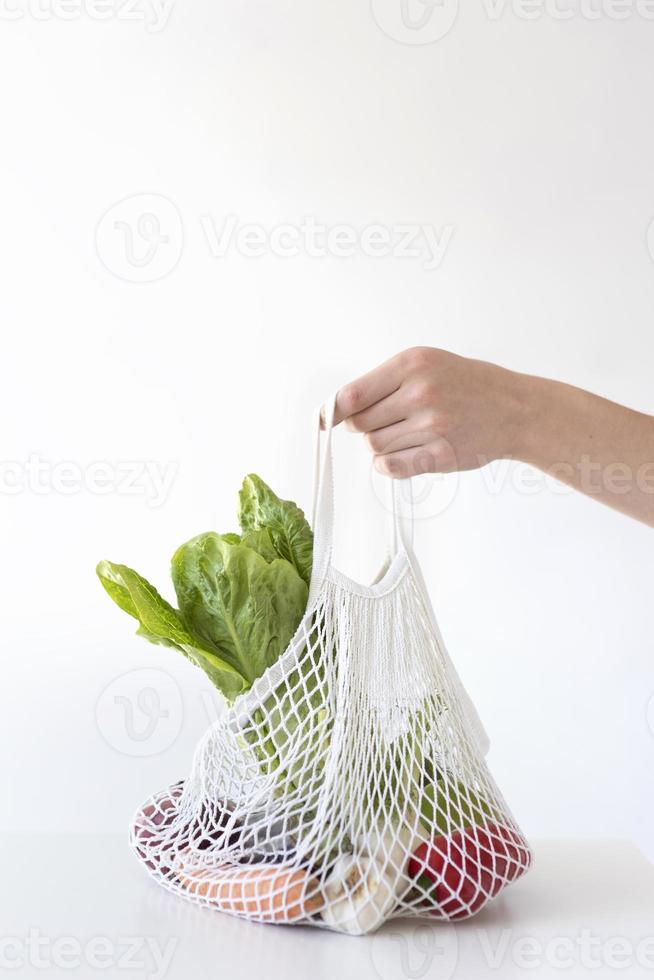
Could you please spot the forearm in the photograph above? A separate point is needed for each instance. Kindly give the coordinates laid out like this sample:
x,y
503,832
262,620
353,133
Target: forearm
x,y
594,445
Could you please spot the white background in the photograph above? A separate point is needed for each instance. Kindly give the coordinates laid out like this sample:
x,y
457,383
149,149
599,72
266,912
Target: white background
x,y
532,141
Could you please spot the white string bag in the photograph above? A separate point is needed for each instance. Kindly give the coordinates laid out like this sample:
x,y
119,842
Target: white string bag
x,y
348,785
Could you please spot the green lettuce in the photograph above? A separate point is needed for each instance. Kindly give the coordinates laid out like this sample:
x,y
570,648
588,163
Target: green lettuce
x,y
160,623
241,596
292,538
238,603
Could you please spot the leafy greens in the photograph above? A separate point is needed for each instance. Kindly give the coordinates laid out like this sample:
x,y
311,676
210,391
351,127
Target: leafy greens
x,y
240,597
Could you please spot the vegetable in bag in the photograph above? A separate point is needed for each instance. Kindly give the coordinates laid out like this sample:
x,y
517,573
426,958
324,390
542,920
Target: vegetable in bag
x,y
240,597
460,871
346,783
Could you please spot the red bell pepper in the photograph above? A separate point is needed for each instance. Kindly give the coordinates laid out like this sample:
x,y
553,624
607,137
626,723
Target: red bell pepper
x,y
468,867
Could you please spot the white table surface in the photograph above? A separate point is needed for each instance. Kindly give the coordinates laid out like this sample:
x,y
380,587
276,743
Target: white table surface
x,y
70,905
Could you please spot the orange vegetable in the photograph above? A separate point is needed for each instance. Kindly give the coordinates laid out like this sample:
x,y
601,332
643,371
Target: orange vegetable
x,y
272,893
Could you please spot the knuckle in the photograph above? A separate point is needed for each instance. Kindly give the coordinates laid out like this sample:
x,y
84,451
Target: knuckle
x,y
375,441
351,399
355,423
424,462
416,358
434,420
381,465
421,394
443,456
394,466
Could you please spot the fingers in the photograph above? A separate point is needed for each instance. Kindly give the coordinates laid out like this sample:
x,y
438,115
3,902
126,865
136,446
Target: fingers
x,y
407,434
434,457
386,412
370,388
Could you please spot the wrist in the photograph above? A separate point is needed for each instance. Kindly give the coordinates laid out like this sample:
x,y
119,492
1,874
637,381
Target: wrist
x,y
526,410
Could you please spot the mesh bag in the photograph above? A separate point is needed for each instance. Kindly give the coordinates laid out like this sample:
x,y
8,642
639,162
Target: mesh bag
x,y
349,785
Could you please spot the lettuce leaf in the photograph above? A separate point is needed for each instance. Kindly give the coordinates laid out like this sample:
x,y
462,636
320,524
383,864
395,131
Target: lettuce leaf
x,y
160,623
260,541
241,596
236,602
291,536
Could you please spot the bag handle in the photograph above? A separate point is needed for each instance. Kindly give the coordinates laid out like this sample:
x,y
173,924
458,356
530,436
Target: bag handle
x,y
401,524
401,538
401,519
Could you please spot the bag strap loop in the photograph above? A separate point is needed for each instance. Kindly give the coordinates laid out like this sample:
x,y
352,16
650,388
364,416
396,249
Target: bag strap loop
x,y
401,517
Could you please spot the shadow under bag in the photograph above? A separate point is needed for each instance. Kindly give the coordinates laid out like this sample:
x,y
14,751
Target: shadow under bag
x,y
349,785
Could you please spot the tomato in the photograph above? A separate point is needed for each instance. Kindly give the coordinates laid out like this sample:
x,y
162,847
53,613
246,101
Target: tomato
x,y
468,867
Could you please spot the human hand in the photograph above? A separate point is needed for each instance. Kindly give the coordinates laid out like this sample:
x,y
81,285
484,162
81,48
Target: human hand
x,y
429,411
